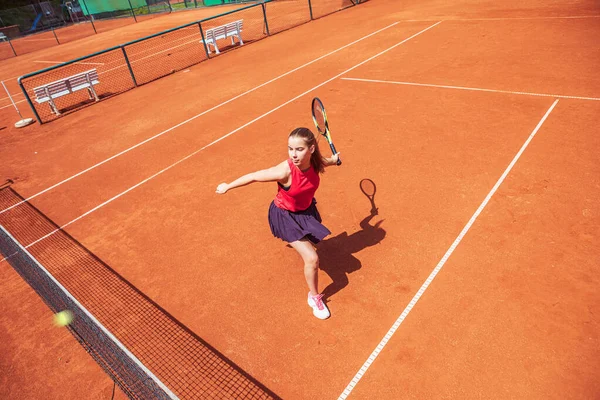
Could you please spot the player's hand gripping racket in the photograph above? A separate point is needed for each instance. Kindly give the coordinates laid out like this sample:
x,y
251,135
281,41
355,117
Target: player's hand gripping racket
x,y
320,120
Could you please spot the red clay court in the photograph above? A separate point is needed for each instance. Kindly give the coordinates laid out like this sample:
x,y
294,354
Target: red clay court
x,y
477,122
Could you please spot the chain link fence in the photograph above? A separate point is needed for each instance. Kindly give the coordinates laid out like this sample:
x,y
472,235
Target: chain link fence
x,y
165,53
59,90
53,22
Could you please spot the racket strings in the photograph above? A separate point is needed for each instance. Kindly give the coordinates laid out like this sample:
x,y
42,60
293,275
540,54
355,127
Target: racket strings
x,y
319,116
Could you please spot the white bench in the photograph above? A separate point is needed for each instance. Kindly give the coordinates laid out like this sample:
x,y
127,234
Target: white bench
x,y
65,86
230,30
3,37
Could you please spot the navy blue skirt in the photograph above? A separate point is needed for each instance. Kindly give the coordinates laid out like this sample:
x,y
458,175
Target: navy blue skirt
x,y
291,226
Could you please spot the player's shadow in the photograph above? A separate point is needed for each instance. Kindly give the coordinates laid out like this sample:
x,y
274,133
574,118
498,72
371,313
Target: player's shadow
x,y
336,254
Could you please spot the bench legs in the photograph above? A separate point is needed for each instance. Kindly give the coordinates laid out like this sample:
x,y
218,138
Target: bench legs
x,y
92,93
239,38
53,107
213,44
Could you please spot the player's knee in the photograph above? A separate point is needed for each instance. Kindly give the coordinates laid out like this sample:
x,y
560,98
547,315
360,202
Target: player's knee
x,y
313,261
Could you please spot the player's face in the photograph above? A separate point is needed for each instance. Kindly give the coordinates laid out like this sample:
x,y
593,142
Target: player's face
x,y
299,151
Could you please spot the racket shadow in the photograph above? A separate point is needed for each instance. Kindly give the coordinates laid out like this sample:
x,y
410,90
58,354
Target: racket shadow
x,y
336,254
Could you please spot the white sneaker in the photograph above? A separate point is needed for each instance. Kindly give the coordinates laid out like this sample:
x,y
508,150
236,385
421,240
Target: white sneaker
x,y
320,310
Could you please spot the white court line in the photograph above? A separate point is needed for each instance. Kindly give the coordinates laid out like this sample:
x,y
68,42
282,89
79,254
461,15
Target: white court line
x,y
455,18
439,266
196,116
560,96
13,95
219,139
10,105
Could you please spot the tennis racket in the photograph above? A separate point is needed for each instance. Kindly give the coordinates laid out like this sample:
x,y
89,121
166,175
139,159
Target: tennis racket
x,y
320,120
368,187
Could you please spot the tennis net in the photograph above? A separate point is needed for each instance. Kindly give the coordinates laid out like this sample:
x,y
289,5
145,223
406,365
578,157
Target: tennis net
x,y
190,367
125,369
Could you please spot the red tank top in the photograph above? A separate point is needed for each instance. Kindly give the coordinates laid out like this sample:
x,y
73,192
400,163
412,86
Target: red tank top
x,y
299,195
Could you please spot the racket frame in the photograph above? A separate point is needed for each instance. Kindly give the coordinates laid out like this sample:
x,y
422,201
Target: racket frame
x,y
323,130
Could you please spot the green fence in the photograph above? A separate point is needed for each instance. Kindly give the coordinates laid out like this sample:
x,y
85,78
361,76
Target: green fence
x,y
64,88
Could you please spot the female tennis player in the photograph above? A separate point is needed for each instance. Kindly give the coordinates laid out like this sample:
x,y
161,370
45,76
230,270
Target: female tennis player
x,y
293,215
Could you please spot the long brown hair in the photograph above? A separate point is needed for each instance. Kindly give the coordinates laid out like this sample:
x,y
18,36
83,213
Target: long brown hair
x,y
316,159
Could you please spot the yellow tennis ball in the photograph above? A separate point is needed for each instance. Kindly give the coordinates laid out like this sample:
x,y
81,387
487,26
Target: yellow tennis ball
x,y
63,318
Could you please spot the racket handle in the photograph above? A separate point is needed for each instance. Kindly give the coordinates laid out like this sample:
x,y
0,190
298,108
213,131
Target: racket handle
x,y
339,161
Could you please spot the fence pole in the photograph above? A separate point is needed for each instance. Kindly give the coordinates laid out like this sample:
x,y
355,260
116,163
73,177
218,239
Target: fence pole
x,y
265,18
37,116
310,9
203,40
55,37
90,15
11,46
132,12
129,66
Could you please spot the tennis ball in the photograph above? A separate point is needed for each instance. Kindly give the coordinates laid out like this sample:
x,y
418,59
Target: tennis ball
x,y
63,318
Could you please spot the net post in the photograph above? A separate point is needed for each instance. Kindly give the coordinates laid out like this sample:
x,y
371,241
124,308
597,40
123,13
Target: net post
x,y
129,66
264,9
37,116
203,40
310,9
